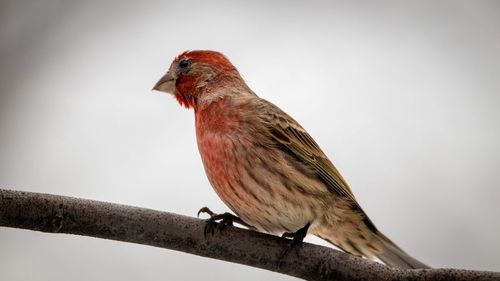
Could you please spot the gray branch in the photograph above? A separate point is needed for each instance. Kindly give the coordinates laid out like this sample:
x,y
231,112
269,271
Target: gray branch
x,y
60,214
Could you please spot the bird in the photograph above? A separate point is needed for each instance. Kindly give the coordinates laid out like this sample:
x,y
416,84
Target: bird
x,y
265,166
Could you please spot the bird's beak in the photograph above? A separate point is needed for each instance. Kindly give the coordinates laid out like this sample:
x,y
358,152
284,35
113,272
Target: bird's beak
x,y
165,84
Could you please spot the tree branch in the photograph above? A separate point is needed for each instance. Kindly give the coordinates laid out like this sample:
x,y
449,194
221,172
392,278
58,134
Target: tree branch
x,y
60,214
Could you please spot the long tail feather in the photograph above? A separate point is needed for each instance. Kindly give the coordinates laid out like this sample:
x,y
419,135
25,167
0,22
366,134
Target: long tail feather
x,y
394,256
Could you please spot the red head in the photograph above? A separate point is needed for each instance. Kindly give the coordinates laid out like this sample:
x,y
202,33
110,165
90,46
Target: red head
x,y
195,74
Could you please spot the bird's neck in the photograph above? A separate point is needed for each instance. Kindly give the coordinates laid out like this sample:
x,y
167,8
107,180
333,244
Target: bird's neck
x,y
214,93
216,117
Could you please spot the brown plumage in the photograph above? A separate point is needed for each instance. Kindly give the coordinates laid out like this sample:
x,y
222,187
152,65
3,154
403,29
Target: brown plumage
x,y
265,166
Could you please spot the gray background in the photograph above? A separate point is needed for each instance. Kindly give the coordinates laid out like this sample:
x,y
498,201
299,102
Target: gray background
x,y
404,98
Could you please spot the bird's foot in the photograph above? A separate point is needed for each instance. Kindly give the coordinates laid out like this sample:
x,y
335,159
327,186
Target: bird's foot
x,y
220,221
297,238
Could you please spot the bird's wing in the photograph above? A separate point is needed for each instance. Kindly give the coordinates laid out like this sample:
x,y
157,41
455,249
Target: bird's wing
x,y
288,134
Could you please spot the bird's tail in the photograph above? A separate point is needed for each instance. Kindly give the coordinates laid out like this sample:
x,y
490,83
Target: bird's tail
x,y
394,256
359,236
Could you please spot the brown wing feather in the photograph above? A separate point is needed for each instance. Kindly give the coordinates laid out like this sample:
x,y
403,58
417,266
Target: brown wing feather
x,y
285,131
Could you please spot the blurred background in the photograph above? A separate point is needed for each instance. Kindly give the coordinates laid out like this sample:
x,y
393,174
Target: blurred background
x,y
404,97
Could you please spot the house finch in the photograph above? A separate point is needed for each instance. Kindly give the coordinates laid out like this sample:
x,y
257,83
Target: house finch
x,y
265,167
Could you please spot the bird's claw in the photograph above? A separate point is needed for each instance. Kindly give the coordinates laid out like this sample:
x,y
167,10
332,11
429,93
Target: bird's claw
x,y
205,210
219,221
297,238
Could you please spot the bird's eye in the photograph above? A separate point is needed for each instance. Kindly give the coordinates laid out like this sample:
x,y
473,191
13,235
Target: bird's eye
x,y
183,64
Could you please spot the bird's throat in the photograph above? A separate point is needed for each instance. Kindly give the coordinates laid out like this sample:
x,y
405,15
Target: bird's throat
x,y
187,102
